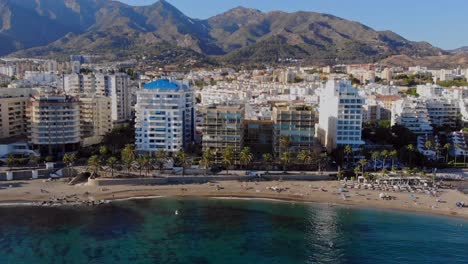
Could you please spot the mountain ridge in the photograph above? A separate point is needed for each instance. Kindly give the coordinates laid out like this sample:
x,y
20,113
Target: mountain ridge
x,y
239,35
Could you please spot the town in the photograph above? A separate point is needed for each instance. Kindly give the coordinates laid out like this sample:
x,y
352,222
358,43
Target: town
x,y
351,119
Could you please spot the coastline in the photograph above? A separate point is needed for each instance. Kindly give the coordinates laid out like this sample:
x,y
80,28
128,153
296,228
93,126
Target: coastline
x,y
37,192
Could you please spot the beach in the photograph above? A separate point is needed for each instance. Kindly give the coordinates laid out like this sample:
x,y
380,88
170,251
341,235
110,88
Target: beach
x,y
40,192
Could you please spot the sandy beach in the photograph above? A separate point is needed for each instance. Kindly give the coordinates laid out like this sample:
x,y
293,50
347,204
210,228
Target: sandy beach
x,y
38,191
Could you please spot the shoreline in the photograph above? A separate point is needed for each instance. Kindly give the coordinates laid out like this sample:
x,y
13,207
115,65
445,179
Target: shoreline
x,y
36,193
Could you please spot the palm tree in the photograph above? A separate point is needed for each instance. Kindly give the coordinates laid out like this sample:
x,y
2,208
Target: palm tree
x,y
128,156
207,159
161,159
285,159
35,160
103,151
285,143
183,160
393,155
384,154
11,161
410,148
69,159
348,150
428,144
140,161
321,159
245,157
268,159
447,149
111,162
305,157
375,157
362,163
228,157
93,163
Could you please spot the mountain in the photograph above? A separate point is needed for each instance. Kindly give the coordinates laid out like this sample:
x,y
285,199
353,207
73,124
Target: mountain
x,y
241,35
460,50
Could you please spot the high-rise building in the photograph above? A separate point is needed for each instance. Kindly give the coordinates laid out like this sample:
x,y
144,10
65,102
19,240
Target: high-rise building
x,y
340,121
116,86
119,91
53,124
164,116
297,124
95,119
222,127
12,116
258,136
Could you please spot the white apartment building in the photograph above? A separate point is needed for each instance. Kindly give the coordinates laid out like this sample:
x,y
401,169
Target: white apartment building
x,y
121,95
443,112
164,116
116,86
412,114
340,119
430,90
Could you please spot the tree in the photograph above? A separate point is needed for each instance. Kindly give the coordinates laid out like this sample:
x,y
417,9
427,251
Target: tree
x,y
161,159
245,157
285,143
128,156
103,150
375,157
428,144
140,161
35,160
348,150
384,154
268,160
207,159
285,159
182,160
393,155
11,161
112,162
228,157
447,149
93,163
69,159
323,158
410,148
362,163
305,157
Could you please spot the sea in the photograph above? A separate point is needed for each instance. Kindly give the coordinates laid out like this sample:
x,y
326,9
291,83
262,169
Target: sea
x,y
202,231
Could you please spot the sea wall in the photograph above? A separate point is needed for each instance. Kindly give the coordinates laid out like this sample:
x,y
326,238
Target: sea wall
x,y
202,179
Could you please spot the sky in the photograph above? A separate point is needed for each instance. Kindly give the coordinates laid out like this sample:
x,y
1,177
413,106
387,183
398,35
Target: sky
x,y
443,23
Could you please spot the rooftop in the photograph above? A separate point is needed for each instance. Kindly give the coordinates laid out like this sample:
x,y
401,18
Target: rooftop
x,y
164,84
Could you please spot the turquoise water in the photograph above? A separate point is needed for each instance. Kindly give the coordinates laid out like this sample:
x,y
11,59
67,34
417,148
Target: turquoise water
x,y
227,231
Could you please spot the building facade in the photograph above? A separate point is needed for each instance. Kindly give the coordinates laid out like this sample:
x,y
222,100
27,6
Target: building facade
x,y
340,121
297,124
222,127
95,119
164,116
54,124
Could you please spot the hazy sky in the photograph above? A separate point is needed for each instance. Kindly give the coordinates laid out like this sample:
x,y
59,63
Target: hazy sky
x,y
443,23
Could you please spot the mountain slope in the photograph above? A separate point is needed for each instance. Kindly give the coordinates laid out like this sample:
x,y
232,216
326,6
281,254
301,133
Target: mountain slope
x,y
239,35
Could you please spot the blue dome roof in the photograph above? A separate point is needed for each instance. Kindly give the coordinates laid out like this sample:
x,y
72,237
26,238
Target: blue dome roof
x,y
162,84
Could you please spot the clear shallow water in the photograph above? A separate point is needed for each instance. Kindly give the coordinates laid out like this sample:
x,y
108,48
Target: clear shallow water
x,y
227,231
